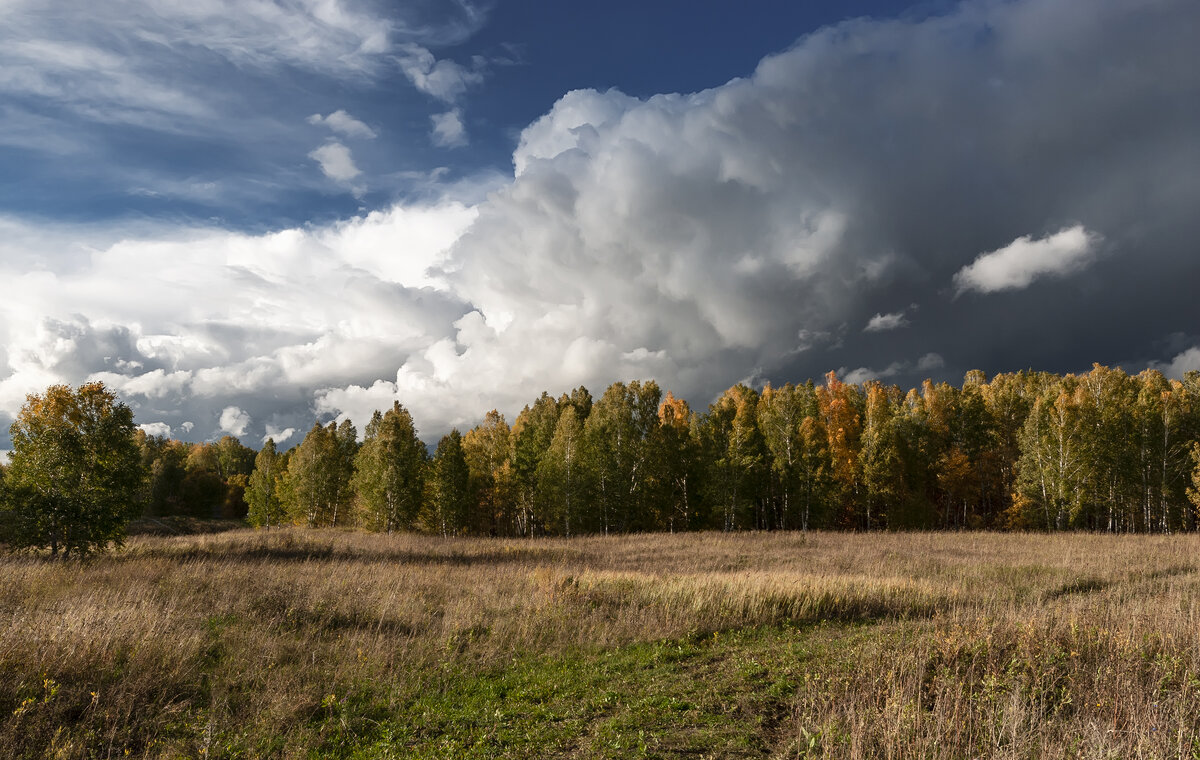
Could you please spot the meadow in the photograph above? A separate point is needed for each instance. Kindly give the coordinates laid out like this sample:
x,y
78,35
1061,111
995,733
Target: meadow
x,y
306,644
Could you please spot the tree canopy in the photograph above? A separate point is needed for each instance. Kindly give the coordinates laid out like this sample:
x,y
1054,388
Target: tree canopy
x,y
75,472
1101,450
389,472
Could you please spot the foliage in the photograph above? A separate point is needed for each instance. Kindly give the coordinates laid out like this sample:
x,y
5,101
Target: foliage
x,y
202,480
488,451
531,436
263,491
839,407
316,489
1193,490
736,456
389,473
1101,450
450,486
617,440
75,471
562,478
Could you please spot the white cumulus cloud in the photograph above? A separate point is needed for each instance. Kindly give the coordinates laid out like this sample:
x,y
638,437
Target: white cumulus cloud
x,y
156,428
1024,260
343,124
336,161
278,435
234,421
183,323
448,129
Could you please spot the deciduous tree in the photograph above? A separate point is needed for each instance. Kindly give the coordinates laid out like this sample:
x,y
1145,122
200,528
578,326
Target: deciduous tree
x,y
561,475
389,473
450,487
263,491
487,448
75,470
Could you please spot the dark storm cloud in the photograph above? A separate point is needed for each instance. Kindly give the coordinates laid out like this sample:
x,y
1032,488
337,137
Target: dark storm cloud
x,y
859,173
967,133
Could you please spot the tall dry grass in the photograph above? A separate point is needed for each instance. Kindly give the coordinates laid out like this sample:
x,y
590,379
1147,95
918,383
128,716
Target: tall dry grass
x,y
940,645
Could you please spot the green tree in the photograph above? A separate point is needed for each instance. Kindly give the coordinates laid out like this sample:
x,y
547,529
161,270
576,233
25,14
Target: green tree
x,y
674,466
233,458
263,490
884,486
581,399
310,486
1050,471
736,459
488,449
1193,490
75,471
202,492
389,473
235,463
450,489
1110,448
561,476
1161,418
345,449
372,428
617,439
815,485
166,462
976,435
780,411
531,435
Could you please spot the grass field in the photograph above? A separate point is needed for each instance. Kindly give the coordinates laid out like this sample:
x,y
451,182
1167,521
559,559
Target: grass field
x,y
348,645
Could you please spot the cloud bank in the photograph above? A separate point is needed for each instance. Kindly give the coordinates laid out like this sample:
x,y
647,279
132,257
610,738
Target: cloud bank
x,y
698,239
188,325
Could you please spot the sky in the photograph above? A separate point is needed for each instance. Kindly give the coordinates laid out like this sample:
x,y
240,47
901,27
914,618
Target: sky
x,y
245,216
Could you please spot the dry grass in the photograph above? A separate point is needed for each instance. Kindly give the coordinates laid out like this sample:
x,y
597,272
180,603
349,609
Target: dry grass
x,y
299,643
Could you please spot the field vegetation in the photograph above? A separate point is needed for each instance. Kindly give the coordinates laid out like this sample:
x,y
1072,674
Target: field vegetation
x,y
302,643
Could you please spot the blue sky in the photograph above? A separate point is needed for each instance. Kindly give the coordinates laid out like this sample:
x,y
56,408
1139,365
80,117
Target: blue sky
x,y
245,216
145,110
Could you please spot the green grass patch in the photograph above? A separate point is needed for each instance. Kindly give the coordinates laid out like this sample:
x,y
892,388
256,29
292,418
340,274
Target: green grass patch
x,y
724,695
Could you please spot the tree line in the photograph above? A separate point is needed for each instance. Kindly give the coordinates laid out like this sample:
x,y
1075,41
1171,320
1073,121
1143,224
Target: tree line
x,y
1102,450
